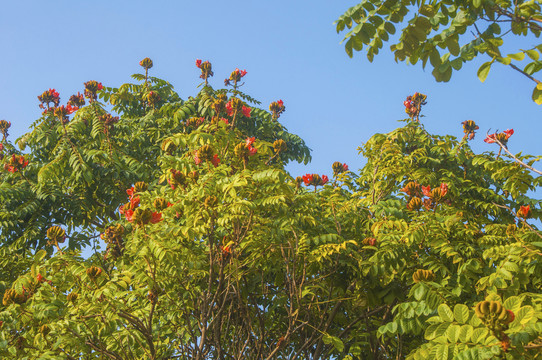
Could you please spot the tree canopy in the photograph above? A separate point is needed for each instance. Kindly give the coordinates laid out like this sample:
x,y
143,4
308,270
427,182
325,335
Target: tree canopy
x,y
214,251
448,33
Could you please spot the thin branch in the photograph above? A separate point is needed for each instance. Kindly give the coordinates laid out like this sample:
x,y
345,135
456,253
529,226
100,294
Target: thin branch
x,y
515,158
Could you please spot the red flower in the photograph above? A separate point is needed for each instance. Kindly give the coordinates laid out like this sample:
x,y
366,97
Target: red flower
x,y
524,211
1,146
426,190
197,160
40,278
345,167
324,180
246,111
198,63
490,139
307,179
252,150
229,108
49,96
501,137
156,217
443,189
250,141
215,161
243,72
225,121
71,109
280,102
130,192
508,133
129,213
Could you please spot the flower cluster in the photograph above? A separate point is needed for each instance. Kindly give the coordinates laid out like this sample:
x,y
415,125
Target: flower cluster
x,y
469,128
176,178
77,100
413,105
94,272
415,193
206,69
161,204
16,163
91,89
146,63
235,77
56,235
315,180
152,98
338,168
108,121
13,297
4,126
277,108
244,150
500,137
195,121
235,105
206,153
495,316
133,212
49,96
113,238
62,112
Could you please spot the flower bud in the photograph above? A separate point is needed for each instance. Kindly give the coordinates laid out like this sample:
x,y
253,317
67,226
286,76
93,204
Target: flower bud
x,y
146,63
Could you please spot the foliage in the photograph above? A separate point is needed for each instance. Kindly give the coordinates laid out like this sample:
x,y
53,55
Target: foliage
x,y
217,252
447,34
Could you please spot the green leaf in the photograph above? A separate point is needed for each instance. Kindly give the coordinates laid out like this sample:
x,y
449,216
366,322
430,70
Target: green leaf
x,y
533,54
517,56
453,333
483,71
445,313
461,313
441,352
537,95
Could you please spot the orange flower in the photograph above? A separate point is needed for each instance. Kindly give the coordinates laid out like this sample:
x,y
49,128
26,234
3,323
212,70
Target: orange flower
x,y
426,190
524,212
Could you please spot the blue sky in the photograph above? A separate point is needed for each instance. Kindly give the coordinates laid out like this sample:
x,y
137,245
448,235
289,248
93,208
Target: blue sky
x,y
290,50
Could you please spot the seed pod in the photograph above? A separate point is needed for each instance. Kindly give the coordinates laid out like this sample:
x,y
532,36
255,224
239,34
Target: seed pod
x,y
210,201
423,275
56,234
478,310
142,216
503,315
168,146
146,63
414,204
72,297
495,307
484,307
160,204
140,186
206,153
12,297
94,272
241,151
280,146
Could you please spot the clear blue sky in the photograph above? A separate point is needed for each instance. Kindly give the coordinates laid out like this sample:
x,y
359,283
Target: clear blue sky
x,y
290,50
